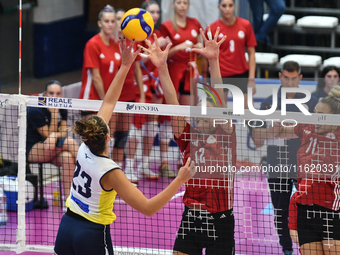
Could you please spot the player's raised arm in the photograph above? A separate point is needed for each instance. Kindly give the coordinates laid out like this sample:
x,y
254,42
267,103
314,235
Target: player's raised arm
x,y
211,52
159,58
113,93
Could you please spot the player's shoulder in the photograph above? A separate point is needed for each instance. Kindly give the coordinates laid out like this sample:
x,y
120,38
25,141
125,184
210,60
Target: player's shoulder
x,y
243,21
193,20
215,24
166,23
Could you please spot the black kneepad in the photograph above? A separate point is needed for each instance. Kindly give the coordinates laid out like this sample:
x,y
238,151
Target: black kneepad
x,y
121,138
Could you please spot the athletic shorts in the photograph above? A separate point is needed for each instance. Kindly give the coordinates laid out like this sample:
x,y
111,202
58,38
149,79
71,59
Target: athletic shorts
x,y
78,236
316,223
239,80
201,229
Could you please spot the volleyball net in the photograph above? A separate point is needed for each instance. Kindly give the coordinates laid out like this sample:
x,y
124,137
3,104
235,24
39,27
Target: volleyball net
x,y
235,178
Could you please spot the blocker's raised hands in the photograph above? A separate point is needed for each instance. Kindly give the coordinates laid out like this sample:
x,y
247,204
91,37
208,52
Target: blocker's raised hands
x,y
155,53
211,45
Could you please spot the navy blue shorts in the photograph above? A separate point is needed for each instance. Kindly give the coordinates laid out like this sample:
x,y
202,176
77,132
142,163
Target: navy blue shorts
x,y
200,229
82,237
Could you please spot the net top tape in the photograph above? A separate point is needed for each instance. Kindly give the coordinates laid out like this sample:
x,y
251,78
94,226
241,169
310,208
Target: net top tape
x,y
163,109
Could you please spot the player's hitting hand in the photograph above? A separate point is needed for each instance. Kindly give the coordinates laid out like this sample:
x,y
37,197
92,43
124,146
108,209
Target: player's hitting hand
x,y
211,46
187,171
154,53
127,53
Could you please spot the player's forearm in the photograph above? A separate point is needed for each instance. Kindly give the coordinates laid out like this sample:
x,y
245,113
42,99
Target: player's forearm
x,y
252,64
139,80
167,85
99,86
160,200
216,78
113,93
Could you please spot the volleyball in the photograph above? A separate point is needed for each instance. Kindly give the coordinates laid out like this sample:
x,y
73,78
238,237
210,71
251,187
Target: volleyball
x,y
137,24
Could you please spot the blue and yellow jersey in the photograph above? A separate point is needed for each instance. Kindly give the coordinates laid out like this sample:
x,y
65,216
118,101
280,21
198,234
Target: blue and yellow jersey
x,y
87,197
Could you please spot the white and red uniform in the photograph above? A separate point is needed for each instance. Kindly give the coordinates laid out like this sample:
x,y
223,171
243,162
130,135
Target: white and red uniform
x,y
209,191
318,163
232,50
99,55
179,62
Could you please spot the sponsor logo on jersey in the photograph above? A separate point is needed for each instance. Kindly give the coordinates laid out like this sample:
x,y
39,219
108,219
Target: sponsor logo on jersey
x,y
177,36
330,136
55,102
220,35
117,56
211,139
306,131
241,34
87,156
194,33
195,142
102,55
142,108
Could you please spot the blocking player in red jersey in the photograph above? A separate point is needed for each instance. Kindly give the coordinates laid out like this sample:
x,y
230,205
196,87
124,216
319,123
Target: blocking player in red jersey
x,y
146,126
240,36
318,195
183,32
208,197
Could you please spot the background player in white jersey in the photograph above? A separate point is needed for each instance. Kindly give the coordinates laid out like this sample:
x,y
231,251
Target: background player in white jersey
x,y
84,229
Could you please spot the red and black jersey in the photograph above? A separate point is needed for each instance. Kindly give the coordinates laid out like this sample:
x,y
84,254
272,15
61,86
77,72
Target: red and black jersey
x,y
318,162
214,154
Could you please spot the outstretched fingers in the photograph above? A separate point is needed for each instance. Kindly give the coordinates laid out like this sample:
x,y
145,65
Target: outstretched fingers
x,y
156,40
216,33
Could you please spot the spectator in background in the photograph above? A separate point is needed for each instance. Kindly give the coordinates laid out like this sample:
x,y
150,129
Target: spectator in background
x,y
102,60
184,34
328,79
145,127
282,152
232,59
263,28
47,139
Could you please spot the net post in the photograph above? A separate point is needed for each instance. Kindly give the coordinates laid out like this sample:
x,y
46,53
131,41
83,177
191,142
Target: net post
x,y
22,123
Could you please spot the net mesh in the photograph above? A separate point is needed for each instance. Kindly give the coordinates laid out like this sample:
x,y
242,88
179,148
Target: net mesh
x,y
240,176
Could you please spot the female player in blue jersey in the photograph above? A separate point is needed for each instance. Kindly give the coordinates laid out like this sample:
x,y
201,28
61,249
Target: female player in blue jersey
x,y
85,228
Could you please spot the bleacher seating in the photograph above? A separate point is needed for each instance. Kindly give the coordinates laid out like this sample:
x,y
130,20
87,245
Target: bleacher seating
x,y
312,62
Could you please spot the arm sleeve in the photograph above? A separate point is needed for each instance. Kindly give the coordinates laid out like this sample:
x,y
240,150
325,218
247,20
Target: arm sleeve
x,y
298,130
63,114
164,31
36,118
91,56
250,36
184,138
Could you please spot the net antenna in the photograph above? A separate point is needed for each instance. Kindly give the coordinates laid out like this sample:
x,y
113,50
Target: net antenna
x,y
20,33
